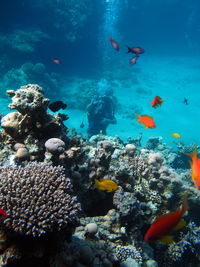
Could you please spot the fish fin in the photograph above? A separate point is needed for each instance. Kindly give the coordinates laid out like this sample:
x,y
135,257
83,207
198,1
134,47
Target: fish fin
x,y
167,239
145,127
180,225
110,39
184,203
192,154
144,115
96,183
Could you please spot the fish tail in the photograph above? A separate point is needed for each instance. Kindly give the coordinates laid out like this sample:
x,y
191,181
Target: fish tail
x,y
110,39
129,49
192,154
136,115
96,183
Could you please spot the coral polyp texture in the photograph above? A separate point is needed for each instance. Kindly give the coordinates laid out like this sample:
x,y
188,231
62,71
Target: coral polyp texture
x,y
29,99
36,199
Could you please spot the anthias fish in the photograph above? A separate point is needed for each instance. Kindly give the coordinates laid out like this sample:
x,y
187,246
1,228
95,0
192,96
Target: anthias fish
x,y
56,61
106,185
156,102
176,135
133,60
195,166
166,223
114,44
146,120
55,106
135,50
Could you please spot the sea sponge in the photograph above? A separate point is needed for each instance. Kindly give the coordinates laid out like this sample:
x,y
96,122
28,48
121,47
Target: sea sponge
x,y
35,199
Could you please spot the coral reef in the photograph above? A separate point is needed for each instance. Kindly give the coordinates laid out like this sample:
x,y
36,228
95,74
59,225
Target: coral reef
x,y
31,126
39,199
32,73
35,199
22,41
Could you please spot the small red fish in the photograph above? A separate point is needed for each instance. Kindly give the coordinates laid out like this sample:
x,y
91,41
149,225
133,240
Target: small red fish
x,y
56,61
133,60
114,44
135,49
157,101
3,215
166,223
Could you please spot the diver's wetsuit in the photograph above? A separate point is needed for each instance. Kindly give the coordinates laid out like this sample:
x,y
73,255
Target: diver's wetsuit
x,y
100,115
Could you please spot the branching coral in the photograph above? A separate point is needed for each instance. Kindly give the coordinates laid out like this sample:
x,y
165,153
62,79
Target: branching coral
x,y
36,200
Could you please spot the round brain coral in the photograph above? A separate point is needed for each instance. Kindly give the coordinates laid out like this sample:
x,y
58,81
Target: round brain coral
x,y
36,200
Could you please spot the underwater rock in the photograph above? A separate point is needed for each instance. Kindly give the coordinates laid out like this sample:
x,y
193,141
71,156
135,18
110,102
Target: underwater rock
x,y
13,124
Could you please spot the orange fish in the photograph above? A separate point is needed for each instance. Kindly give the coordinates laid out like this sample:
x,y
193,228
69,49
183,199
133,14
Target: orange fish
x,y
146,120
157,101
166,223
195,166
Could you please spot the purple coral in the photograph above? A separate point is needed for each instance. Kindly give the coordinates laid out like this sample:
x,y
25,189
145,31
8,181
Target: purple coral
x,y
35,199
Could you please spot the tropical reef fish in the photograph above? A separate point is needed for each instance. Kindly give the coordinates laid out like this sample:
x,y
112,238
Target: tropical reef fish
x,y
114,44
3,215
135,49
195,166
106,185
146,120
157,101
176,135
166,223
133,60
82,125
56,61
55,106
185,101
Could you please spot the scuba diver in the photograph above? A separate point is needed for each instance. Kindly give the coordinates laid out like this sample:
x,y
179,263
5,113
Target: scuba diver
x,y
101,113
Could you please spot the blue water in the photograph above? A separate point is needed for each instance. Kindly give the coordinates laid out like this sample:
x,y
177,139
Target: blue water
x,y
77,34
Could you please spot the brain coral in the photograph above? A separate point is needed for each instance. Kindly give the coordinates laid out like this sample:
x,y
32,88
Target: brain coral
x,y
35,198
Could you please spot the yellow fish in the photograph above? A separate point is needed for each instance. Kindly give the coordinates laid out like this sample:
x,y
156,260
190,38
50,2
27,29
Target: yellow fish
x,y
176,135
106,185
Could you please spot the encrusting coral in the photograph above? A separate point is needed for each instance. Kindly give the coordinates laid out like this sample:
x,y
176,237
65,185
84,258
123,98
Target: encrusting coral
x,y
36,200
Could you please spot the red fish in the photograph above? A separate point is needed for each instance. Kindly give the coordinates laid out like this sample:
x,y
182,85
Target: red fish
x,y
3,215
114,44
146,120
133,60
135,49
166,223
56,61
157,101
